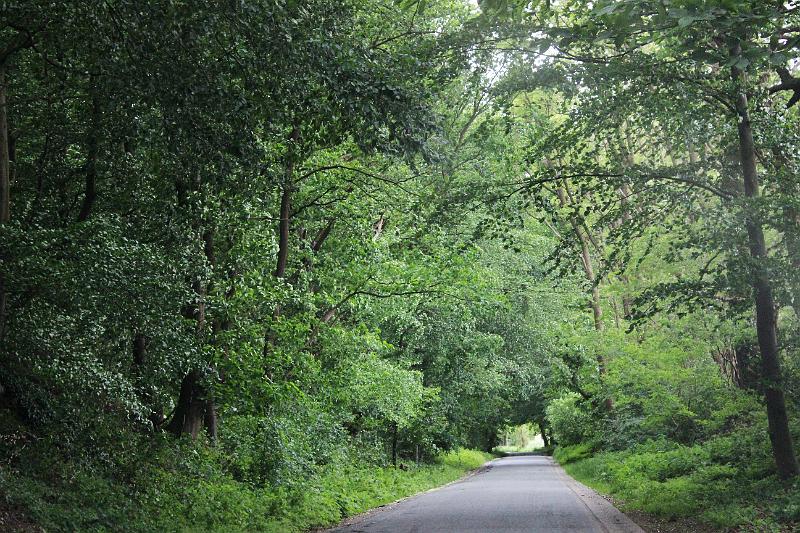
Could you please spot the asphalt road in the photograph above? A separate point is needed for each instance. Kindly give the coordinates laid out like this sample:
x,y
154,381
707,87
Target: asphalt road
x,y
521,493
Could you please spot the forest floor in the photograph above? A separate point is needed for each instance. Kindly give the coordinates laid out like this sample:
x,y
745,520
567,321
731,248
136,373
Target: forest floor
x,y
656,524
13,519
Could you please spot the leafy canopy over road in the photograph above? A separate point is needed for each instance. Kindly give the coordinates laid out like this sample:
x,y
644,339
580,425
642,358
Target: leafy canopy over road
x,y
250,248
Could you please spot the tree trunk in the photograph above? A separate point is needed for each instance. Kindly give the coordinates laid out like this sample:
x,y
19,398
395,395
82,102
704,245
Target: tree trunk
x,y
766,328
209,408
270,337
586,263
286,207
19,42
625,194
139,349
210,420
190,411
3,304
378,228
615,308
543,432
394,444
195,406
284,227
627,302
588,269
283,230
5,185
5,156
316,246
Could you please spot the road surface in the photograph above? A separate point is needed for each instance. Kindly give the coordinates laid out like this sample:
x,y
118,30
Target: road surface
x,y
521,493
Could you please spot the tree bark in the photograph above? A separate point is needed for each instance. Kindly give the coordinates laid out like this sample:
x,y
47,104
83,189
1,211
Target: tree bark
x,y
624,193
543,431
5,185
5,156
190,411
93,149
139,349
19,42
195,407
615,308
766,325
210,420
286,207
319,240
588,269
283,230
586,262
394,444
378,227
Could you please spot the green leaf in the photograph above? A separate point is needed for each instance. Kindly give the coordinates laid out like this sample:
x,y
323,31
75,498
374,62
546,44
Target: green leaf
x,y
778,58
607,10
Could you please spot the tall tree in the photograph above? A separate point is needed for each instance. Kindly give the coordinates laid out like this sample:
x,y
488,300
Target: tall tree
x,y
650,52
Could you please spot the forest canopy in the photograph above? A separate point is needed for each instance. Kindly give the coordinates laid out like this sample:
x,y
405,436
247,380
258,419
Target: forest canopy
x,y
256,254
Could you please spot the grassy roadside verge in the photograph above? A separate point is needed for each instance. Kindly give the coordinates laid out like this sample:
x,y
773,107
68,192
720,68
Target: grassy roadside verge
x,y
717,485
355,491
157,497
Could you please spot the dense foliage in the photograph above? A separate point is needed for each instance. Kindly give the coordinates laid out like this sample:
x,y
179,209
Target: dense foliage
x,y
255,255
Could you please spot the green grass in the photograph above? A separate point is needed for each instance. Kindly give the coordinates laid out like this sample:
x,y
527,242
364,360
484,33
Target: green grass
x,y
464,459
726,482
356,490
589,471
569,454
158,499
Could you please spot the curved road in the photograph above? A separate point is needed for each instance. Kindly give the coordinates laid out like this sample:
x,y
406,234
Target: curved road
x,y
521,493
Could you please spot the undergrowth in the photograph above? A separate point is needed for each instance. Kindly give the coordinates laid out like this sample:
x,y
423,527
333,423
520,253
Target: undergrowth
x,y
727,481
199,495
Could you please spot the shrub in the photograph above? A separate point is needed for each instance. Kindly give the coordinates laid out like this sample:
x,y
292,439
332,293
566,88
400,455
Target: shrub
x,y
183,488
570,422
463,458
569,454
727,481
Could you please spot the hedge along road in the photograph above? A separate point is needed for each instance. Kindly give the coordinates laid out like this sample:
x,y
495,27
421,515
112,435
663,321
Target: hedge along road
x,y
520,493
